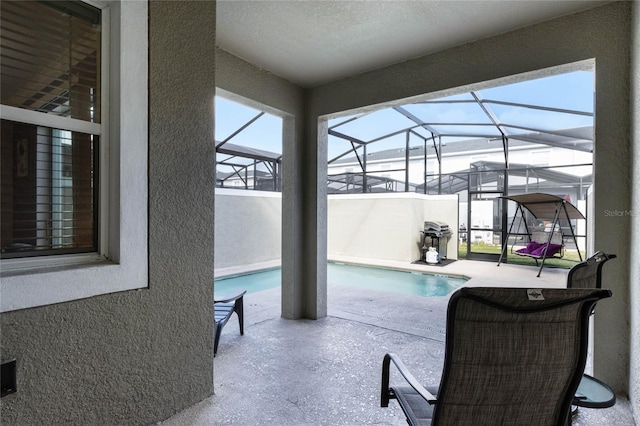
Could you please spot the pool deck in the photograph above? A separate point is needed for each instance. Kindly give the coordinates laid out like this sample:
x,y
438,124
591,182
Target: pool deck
x,y
327,372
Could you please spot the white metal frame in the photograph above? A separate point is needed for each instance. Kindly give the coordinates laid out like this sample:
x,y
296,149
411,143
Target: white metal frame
x,y
121,262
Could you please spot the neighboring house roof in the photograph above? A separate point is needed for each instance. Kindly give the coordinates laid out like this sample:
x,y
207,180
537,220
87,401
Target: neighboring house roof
x,y
349,183
250,174
458,181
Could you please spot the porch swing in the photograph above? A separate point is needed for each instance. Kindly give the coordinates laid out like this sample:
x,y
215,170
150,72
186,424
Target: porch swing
x,y
546,243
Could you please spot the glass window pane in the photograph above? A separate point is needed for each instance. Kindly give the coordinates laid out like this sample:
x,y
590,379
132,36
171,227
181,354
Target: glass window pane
x,y
50,59
47,193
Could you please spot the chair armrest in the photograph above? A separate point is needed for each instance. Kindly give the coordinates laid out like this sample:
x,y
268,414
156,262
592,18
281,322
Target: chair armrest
x,y
386,392
232,298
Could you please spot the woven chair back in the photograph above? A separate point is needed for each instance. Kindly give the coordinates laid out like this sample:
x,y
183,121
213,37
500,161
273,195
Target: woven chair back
x,y
513,356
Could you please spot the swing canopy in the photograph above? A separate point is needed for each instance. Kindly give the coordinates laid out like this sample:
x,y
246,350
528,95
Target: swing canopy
x,y
543,206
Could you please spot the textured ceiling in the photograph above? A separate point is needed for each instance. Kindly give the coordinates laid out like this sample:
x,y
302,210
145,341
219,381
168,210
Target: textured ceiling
x,y
314,42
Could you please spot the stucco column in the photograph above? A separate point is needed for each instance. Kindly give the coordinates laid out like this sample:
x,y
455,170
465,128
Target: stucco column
x,y
292,220
634,369
304,218
315,274
611,201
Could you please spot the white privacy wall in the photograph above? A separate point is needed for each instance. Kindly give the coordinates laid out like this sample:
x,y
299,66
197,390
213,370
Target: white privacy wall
x,y
248,226
387,226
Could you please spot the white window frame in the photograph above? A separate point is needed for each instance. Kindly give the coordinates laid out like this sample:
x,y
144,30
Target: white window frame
x,y
121,262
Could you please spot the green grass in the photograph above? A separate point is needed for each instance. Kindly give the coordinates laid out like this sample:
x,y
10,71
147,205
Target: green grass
x,y
569,259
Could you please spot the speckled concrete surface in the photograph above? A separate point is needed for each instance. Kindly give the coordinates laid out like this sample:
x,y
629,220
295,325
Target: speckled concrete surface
x,y
327,372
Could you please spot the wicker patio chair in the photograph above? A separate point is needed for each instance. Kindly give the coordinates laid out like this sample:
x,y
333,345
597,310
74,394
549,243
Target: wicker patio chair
x,y
512,357
223,309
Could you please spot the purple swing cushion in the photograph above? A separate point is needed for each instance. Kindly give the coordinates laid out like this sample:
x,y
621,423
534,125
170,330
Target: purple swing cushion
x,y
552,250
530,248
537,249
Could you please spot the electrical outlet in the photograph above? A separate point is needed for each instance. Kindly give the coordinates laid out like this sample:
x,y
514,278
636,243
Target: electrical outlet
x,y
8,377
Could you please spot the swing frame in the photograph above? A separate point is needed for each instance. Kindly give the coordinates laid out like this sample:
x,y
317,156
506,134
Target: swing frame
x,y
542,206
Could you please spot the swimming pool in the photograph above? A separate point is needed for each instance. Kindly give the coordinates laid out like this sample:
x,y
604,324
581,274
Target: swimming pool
x,y
370,278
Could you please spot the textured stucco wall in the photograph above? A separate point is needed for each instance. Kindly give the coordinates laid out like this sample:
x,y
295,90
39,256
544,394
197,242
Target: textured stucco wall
x,y
248,227
139,356
602,34
241,78
634,386
287,100
181,198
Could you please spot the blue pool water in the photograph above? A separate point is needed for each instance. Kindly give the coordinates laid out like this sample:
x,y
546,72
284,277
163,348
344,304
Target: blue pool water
x,y
370,278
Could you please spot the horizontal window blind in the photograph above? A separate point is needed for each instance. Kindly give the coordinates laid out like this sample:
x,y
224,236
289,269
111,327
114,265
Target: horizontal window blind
x,y
49,64
48,191
50,60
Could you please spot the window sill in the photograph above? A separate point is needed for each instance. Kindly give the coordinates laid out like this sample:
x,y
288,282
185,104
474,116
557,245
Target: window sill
x,y
23,289
35,265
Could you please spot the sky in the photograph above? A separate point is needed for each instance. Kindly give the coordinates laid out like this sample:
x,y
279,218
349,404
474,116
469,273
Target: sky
x,y
572,91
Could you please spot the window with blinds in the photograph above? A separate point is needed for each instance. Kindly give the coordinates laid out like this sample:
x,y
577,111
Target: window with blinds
x,y
50,72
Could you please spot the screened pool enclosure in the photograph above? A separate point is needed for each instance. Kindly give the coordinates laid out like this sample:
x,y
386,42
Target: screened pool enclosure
x,y
533,135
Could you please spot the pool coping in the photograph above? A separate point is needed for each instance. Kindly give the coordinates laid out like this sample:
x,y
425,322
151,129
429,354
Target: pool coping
x,y
477,273
460,280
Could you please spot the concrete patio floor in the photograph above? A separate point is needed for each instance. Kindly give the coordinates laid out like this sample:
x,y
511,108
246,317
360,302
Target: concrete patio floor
x,y
327,372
